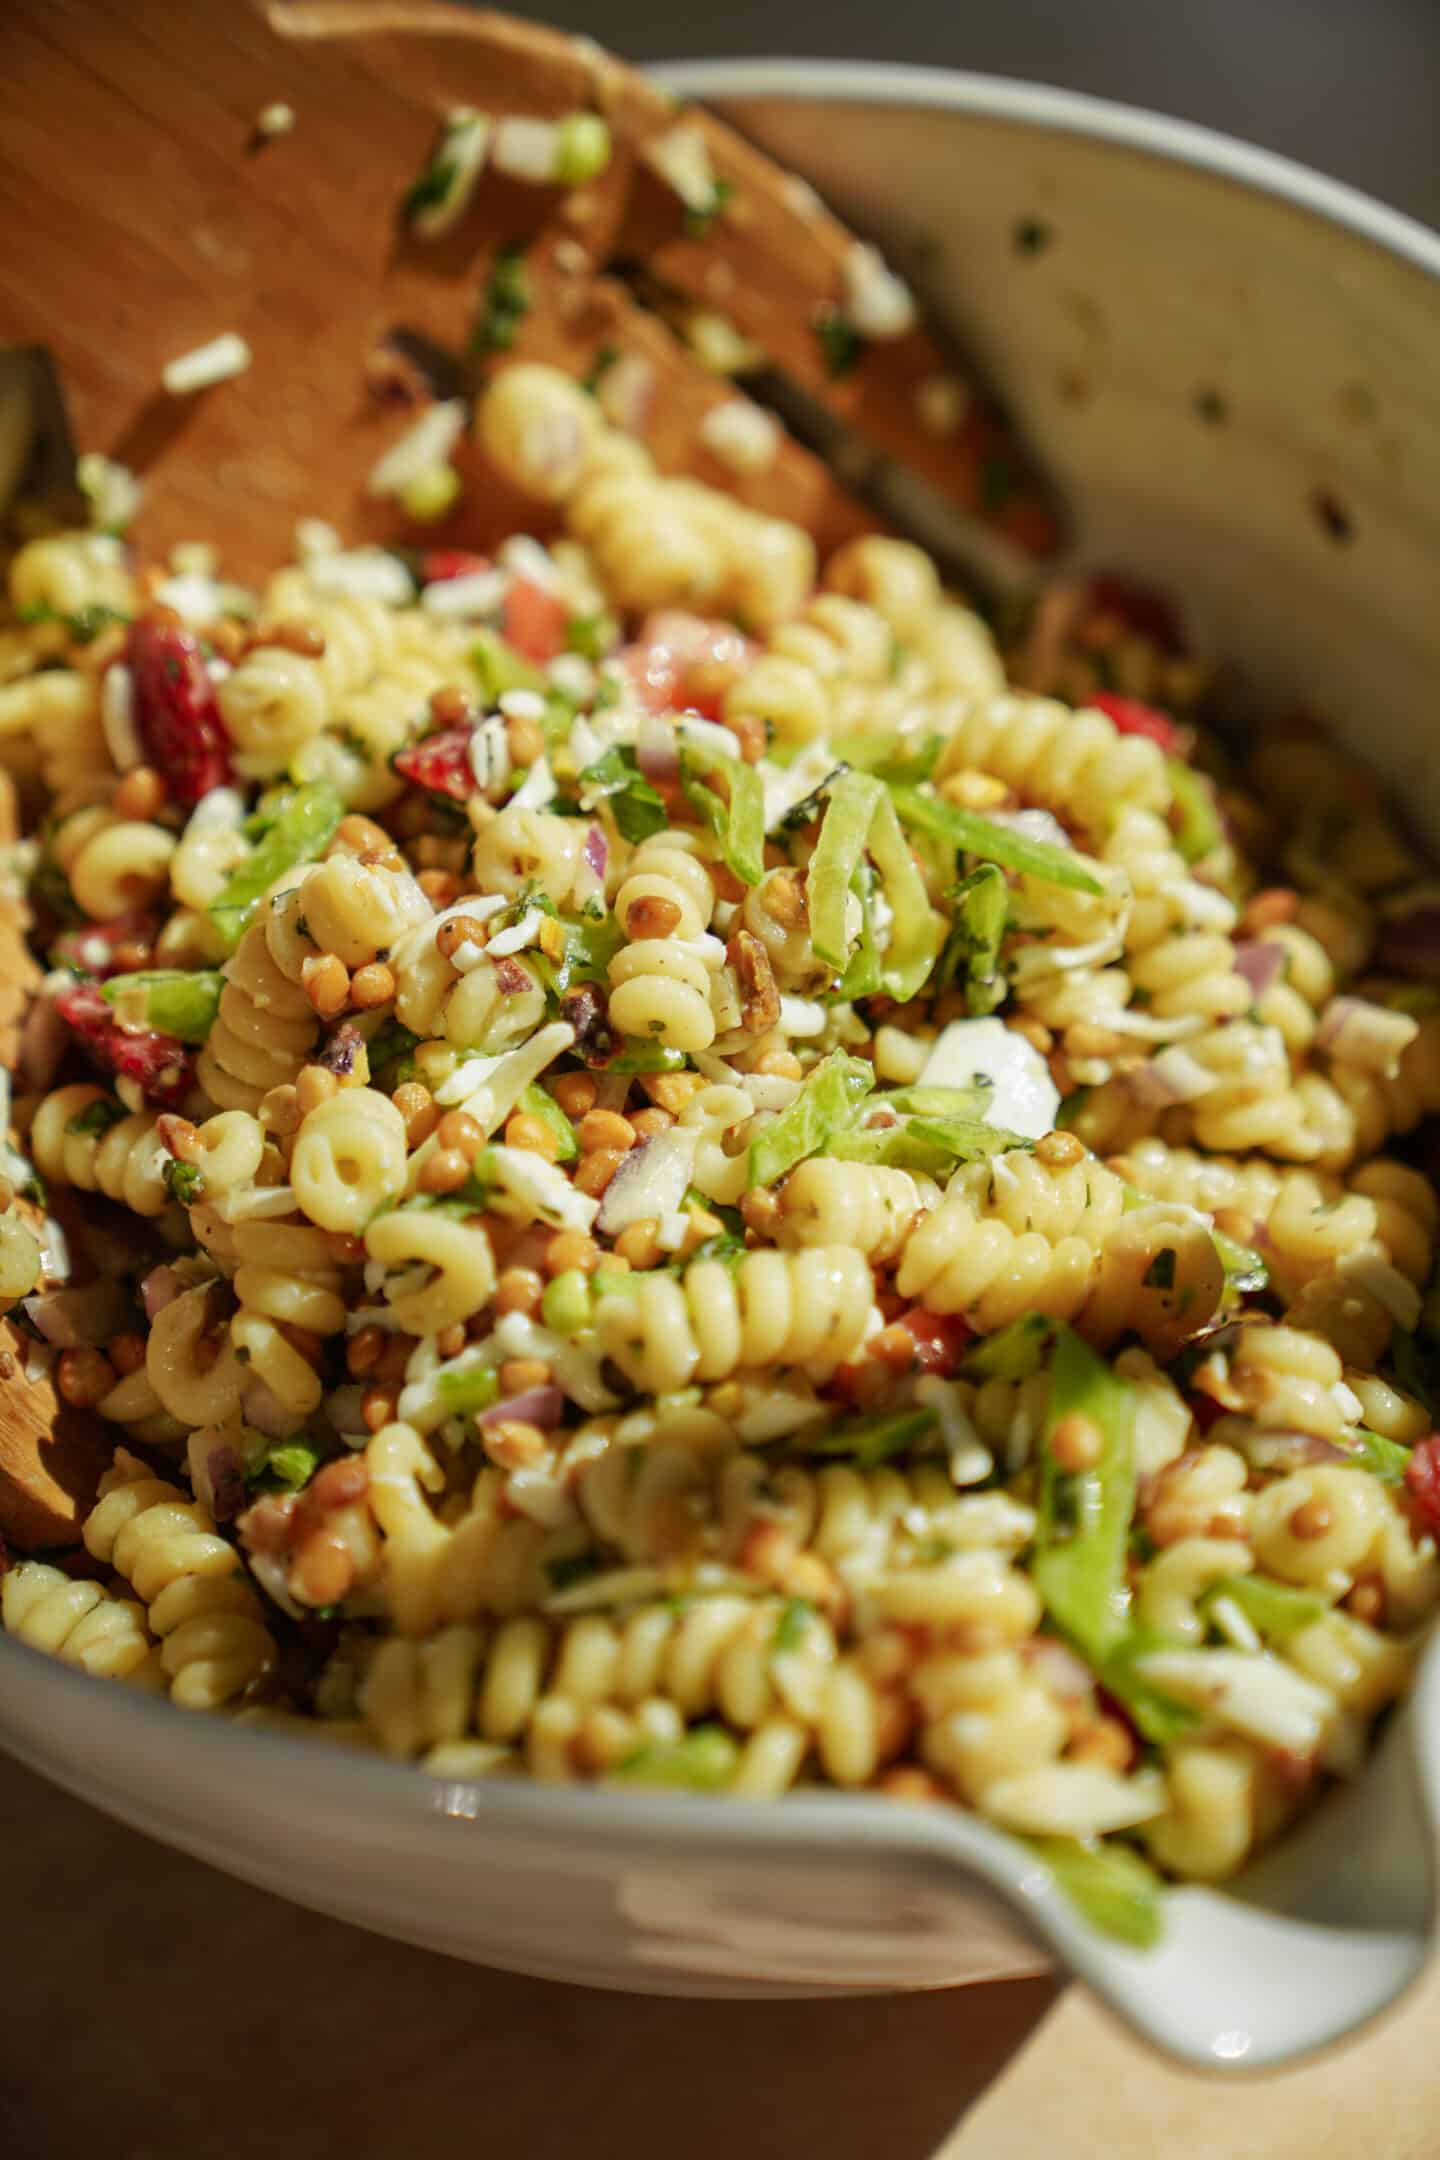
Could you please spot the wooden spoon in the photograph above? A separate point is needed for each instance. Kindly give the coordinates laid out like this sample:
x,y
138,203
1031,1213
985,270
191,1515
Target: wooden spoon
x,y
145,218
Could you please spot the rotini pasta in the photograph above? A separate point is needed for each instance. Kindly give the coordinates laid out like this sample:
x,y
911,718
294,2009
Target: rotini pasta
x,y
723,1196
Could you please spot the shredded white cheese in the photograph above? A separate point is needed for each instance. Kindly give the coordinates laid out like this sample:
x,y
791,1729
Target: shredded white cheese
x,y
117,718
206,365
1022,1094
478,593
429,443
743,436
878,304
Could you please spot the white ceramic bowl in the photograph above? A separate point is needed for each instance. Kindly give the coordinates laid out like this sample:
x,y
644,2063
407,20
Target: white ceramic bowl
x,y
1180,267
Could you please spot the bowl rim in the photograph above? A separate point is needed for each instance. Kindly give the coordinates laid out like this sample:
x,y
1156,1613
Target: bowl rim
x,y
1073,112
812,1827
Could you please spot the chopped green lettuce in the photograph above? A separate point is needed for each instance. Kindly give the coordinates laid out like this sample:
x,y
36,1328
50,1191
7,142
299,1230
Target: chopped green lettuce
x,y
304,821
176,1001
739,824
1110,1885
825,1105
1084,1516
970,834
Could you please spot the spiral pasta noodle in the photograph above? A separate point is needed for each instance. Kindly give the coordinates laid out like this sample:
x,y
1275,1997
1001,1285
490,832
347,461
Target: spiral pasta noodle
x,y
808,1308
81,1623
213,1643
266,1025
286,1279
660,979
77,1140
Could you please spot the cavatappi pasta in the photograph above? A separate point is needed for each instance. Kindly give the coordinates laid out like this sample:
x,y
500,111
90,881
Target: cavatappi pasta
x,y
679,1172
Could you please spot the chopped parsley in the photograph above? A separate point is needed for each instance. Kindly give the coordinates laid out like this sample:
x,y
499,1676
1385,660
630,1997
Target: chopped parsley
x,y
504,305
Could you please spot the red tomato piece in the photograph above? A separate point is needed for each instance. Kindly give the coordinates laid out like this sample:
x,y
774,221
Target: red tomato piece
x,y
941,1339
177,716
534,621
440,764
160,1064
1132,717
1422,1479
439,565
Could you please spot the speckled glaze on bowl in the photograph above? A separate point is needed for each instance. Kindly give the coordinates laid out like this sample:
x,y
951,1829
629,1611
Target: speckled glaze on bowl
x,y
1230,364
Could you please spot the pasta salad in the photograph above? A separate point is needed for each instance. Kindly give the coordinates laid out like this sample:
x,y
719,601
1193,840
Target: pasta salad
x,y
665,1164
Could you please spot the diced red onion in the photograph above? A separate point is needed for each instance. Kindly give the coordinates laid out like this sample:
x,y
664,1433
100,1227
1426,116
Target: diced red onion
x,y
80,1319
611,1090
266,1412
344,1409
590,870
1172,1077
651,1180
542,1406
1410,942
1059,1668
1260,962
43,1040
158,1288
596,850
626,392
1365,1034
227,1483
656,752
1286,1451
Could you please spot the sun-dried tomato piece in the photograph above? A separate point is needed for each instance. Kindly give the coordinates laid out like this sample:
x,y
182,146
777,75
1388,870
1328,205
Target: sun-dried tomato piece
x,y
160,1065
1422,1479
103,949
440,764
941,1339
177,716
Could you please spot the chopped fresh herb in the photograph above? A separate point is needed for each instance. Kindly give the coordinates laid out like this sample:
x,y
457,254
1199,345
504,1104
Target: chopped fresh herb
x,y
1032,235
391,1040
1109,1885
699,217
600,366
1160,1275
739,824
439,196
505,304
83,626
869,1441
184,1181
637,808
826,1104
969,833
301,823
96,1117
841,344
